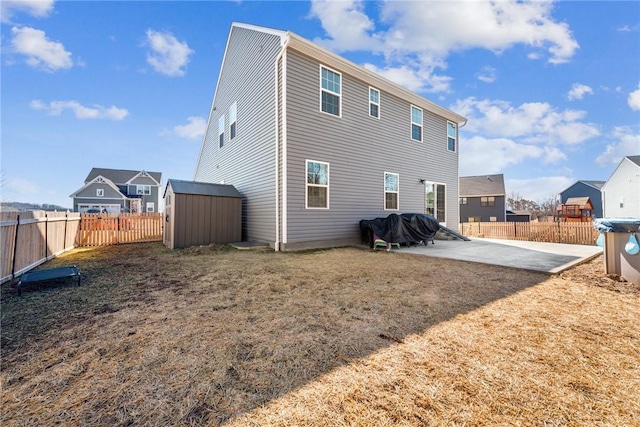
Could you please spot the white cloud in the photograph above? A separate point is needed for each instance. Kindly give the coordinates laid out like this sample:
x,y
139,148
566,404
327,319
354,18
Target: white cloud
x,y
487,74
14,187
480,155
634,99
624,143
534,122
578,91
419,35
36,8
55,108
415,80
40,52
168,55
193,129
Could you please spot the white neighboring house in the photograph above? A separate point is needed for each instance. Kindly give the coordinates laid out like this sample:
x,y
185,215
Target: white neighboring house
x,y
621,193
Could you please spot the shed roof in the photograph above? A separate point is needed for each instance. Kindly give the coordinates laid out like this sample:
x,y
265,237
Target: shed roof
x,y
482,185
202,188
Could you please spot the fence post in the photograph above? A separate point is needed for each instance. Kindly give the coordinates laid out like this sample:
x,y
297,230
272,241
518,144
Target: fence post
x,y
15,248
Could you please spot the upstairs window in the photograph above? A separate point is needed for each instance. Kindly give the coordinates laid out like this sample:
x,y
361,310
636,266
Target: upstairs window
x,y
143,190
451,136
317,185
331,90
233,111
99,192
374,102
391,191
463,200
221,130
489,201
416,123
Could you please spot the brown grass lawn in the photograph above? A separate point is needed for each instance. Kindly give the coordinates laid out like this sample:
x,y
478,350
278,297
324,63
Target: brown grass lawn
x,y
342,337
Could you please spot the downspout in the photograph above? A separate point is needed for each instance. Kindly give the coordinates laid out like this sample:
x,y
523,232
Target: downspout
x,y
277,153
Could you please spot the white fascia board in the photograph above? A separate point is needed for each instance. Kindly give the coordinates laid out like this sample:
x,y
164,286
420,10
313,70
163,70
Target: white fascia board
x,y
331,59
145,174
96,180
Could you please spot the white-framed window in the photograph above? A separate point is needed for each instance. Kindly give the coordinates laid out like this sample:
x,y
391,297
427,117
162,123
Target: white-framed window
x,y
221,130
391,191
416,123
99,192
487,202
330,91
317,188
463,200
435,200
621,202
151,206
233,113
493,218
143,189
374,102
451,136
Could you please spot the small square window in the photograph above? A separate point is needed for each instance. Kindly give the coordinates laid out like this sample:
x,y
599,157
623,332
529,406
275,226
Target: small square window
x,y
99,192
463,200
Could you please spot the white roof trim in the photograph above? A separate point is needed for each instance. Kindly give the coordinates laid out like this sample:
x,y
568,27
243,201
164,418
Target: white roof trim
x,y
98,179
142,173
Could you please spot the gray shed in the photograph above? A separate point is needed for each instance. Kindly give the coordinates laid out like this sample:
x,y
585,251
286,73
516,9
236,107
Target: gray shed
x,y
200,213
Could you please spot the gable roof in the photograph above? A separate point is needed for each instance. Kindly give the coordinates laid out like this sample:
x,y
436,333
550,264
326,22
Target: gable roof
x,y
120,176
579,201
482,185
98,180
594,184
296,42
201,188
634,159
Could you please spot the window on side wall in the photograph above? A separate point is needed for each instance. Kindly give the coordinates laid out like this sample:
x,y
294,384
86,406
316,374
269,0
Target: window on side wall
x,y
99,192
463,200
233,112
374,102
317,187
143,189
151,207
416,123
391,191
221,130
488,201
330,91
451,136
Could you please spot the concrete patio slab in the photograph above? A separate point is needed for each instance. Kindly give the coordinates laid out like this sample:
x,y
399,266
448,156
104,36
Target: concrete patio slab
x,y
535,256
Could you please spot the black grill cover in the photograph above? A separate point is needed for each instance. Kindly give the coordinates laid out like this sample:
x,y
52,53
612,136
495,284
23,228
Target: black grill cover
x,y
403,228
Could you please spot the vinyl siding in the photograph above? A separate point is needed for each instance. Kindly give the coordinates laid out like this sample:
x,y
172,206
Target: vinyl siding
x,y
90,192
625,183
474,208
247,161
359,149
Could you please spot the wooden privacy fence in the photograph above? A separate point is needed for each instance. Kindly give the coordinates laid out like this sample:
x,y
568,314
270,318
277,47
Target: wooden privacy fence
x,y
28,239
580,233
111,229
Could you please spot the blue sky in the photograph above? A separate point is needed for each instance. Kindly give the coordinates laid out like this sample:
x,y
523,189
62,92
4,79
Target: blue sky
x,y
551,89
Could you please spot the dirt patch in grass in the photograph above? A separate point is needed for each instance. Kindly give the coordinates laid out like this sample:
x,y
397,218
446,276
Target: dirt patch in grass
x,y
212,336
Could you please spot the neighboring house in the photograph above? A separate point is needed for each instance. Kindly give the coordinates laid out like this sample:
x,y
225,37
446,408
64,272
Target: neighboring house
x,y
621,192
590,189
118,190
576,209
482,198
518,216
316,143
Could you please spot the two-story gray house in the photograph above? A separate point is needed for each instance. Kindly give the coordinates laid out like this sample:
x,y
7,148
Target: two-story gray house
x,y
315,143
118,190
482,198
